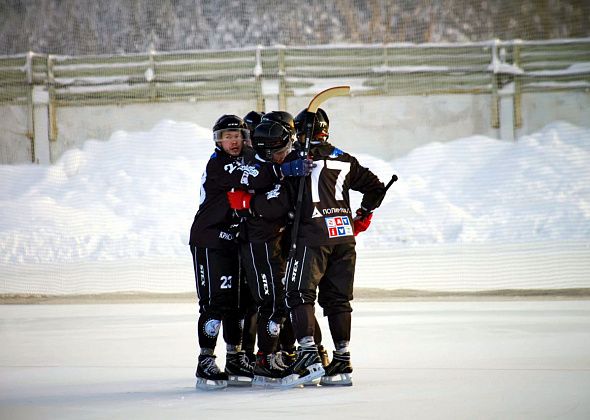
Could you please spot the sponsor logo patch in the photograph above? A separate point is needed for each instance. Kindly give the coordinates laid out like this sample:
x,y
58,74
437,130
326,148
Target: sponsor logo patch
x,y
265,284
202,274
338,226
294,272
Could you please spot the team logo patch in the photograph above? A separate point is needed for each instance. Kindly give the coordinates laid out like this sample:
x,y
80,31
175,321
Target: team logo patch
x,y
273,328
338,226
211,328
274,193
335,153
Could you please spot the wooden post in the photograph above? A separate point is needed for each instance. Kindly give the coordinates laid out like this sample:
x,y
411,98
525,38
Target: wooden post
x,y
150,74
258,73
517,86
30,119
282,82
51,104
495,96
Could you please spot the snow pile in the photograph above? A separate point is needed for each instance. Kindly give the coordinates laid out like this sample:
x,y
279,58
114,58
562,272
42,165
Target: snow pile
x,y
136,195
478,189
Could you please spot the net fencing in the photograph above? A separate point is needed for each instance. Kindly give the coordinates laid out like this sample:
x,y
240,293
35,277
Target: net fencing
x,y
482,109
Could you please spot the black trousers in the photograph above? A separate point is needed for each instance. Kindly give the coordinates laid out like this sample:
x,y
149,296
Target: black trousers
x,y
265,267
217,279
325,272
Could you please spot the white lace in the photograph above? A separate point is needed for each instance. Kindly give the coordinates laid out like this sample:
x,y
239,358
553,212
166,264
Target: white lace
x,y
209,365
278,361
244,361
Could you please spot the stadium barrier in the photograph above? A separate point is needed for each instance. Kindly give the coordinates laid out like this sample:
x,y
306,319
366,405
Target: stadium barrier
x,y
502,69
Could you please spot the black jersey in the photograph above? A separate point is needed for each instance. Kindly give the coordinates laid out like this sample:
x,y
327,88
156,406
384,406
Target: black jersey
x,y
270,207
326,216
212,226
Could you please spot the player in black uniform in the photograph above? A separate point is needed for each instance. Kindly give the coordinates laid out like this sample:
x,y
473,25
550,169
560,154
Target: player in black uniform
x,y
325,254
261,247
251,119
287,338
215,252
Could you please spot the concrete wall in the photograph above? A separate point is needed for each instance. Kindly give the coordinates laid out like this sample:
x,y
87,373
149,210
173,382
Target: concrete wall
x,y
15,144
540,108
389,127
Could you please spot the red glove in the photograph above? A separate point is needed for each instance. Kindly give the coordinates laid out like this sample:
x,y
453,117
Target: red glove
x,y
239,199
361,222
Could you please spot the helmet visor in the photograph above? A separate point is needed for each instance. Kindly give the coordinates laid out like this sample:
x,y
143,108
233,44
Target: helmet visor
x,y
218,134
285,149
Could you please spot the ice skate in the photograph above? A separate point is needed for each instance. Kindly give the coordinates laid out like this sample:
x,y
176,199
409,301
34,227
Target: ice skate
x,y
285,358
208,374
268,372
323,353
339,371
323,356
238,370
251,358
306,368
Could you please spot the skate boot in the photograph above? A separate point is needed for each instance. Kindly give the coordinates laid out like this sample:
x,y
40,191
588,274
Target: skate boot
x,y
285,358
325,362
208,374
306,368
267,371
250,357
238,370
324,356
339,371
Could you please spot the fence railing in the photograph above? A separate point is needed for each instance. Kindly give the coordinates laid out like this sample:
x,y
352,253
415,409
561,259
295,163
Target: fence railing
x,y
497,68
391,69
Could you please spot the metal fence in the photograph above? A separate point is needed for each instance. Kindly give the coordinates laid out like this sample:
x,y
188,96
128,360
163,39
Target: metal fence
x,y
392,69
494,68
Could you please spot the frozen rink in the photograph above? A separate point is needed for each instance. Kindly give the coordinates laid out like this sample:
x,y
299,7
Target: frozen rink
x,y
453,359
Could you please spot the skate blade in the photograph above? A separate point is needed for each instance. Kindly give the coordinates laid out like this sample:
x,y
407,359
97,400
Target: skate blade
x,y
314,382
235,380
210,384
340,379
266,382
315,371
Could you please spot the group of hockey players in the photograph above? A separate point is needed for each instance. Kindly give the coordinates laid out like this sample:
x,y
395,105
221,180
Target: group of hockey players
x,y
247,280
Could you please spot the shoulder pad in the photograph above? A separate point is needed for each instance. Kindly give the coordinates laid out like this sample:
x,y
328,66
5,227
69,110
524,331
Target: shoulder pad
x,y
336,152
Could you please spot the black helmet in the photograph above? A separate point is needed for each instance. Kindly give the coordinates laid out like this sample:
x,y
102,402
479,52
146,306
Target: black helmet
x,y
252,119
270,137
282,117
230,123
321,124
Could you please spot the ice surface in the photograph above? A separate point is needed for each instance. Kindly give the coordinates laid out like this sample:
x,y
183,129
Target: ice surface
x,y
412,360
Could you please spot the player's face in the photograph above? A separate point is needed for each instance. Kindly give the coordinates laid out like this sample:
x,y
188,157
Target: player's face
x,y
232,142
280,155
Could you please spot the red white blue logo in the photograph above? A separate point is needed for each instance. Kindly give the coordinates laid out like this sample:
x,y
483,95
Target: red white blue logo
x,y
338,226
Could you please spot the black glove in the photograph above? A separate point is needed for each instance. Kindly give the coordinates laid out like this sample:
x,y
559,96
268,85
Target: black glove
x,y
363,213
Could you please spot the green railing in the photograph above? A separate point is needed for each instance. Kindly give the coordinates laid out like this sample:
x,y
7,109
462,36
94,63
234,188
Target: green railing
x,y
492,67
505,70
392,69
